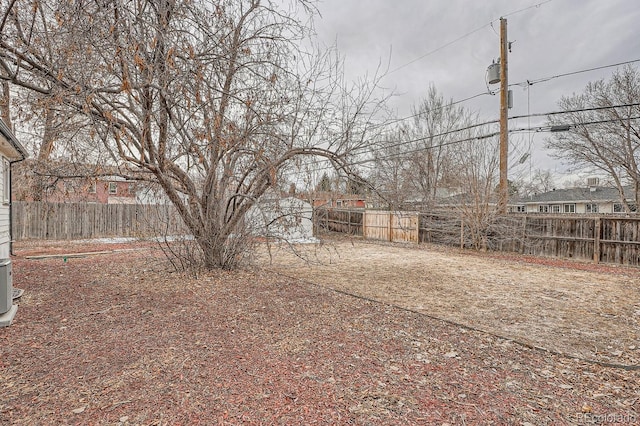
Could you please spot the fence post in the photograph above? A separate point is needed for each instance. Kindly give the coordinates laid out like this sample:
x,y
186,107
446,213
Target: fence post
x,y
314,221
596,240
461,233
364,224
349,220
524,234
390,226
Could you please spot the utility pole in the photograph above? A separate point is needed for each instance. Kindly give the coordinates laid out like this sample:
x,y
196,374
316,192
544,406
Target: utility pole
x,y
503,195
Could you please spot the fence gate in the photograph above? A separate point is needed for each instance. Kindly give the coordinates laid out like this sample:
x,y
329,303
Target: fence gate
x,y
391,226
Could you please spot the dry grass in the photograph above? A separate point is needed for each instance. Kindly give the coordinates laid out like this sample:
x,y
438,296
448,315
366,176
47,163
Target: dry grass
x,y
592,314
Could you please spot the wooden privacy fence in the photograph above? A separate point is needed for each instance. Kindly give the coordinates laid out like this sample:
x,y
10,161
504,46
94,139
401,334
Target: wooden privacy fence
x,y
343,221
68,221
391,226
607,239
374,224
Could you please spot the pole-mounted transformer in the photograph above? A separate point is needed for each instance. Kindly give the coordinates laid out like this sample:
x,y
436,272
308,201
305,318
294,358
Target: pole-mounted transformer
x,y
493,73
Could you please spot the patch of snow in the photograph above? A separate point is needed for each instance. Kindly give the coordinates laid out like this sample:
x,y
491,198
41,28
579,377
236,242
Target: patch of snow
x,y
120,240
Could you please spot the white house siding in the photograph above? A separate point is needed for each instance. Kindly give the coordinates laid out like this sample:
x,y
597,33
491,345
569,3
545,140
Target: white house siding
x,y
604,197
4,232
5,237
10,150
580,207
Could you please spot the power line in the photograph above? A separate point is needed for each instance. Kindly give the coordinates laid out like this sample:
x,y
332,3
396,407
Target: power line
x,y
420,149
438,49
523,83
406,142
462,37
397,120
541,114
426,148
469,139
544,79
369,149
571,111
527,82
525,9
554,128
424,138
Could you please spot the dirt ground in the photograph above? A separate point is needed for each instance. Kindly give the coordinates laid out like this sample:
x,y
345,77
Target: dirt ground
x,y
116,338
587,311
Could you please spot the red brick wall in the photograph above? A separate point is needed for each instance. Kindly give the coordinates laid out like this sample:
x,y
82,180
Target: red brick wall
x,y
77,191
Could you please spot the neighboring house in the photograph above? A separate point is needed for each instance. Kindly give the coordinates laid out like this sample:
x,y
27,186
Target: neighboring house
x,y
11,151
101,190
465,200
332,199
73,189
590,200
151,193
113,190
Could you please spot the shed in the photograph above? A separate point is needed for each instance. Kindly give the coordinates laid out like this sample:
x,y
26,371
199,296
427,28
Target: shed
x,y
289,219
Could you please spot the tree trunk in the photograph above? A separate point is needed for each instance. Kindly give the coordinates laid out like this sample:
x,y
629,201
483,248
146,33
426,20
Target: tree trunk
x,y
214,253
39,184
5,100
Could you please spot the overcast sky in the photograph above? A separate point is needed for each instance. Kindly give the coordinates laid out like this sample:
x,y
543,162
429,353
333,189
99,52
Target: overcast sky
x,y
450,44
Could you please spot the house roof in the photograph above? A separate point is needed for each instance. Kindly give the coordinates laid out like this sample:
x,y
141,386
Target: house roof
x,y
20,152
67,169
114,178
326,195
573,195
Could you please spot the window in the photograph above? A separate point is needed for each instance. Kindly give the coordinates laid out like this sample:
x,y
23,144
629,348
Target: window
x,y
569,208
591,208
555,208
543,209
6,181
113,188
619,208
69,187
92,188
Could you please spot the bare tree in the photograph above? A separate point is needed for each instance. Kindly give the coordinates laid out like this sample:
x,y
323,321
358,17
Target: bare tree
x,y
540,181
434,127
476,161
390,174
325,184
212,100
471,163
604,136
414,159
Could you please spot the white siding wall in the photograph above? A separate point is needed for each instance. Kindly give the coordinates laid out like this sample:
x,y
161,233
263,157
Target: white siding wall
x,y
4,213
603,207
